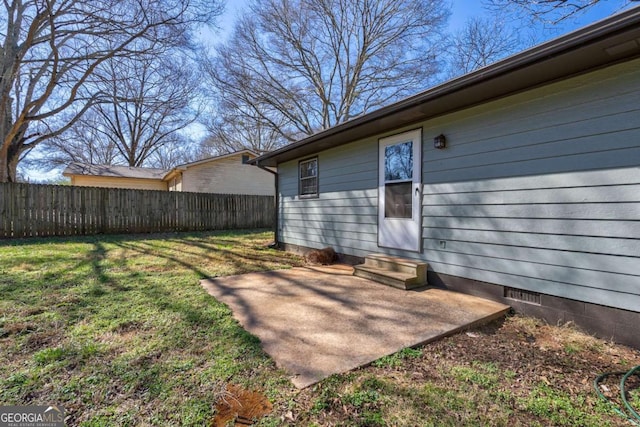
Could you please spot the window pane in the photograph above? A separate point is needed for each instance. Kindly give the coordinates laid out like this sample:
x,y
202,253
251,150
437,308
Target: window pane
x,y
308,169
309,177
397,200
398,161
308,186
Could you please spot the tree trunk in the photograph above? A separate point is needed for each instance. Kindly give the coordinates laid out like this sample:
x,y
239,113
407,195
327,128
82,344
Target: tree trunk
x,y
6,152
4,164
12,167
9,159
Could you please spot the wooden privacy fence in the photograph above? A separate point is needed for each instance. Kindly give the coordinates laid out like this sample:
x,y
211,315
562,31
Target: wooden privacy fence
x,y
30,210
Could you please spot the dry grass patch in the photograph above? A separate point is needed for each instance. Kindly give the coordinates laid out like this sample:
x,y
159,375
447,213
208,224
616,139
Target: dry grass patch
x,y
516,372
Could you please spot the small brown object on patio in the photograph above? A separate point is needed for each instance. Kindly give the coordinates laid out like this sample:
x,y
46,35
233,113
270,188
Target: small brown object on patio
x,y
323,256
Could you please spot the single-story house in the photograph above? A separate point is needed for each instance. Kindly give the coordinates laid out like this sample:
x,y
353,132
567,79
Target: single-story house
x,y
225,174
519,182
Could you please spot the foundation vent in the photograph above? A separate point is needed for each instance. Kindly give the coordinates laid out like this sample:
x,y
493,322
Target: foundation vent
x,y
521,295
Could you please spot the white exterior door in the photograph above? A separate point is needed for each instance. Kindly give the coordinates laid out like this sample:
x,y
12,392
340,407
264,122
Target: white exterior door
x,y
399,191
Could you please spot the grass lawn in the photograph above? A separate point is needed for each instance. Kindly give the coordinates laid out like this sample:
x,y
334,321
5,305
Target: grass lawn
x,y
118,330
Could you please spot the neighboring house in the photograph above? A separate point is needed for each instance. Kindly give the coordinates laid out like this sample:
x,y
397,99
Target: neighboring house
x,y
225,174
228,173
519,182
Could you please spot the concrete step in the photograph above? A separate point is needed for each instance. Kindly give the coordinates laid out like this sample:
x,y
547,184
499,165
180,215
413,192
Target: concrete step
x,y
387,277
397,264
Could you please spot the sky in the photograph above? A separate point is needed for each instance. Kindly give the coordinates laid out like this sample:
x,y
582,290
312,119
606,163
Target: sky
x,y
461,11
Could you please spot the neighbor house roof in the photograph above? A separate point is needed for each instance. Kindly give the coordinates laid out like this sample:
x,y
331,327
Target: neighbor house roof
x,y
215,158
611,40
114,171
170,174
77,168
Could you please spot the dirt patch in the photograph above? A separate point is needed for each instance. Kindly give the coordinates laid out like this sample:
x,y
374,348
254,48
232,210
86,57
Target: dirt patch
x,y
516,363
46,338
240,407
17,328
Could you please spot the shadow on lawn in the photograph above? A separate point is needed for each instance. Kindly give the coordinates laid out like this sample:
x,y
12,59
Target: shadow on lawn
x,y
98,257
118,307
241,258
222,236
204,256
104,274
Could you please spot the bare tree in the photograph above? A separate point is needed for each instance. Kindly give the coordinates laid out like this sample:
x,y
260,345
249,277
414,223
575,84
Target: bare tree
x,y
180,151
299,66
146,102
81,143
52,51
479,43
236,127
550,11
149,102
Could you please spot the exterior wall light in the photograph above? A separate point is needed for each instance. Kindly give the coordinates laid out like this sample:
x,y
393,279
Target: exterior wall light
x,y
440,142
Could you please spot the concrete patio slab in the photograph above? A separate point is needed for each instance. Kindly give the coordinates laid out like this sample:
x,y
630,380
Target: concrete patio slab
x,y
317,321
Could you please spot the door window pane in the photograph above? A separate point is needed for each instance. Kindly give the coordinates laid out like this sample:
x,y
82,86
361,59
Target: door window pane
x,y
397,200
398,162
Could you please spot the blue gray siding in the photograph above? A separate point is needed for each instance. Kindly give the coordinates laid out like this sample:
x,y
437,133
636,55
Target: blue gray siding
x,y
539,191
345,214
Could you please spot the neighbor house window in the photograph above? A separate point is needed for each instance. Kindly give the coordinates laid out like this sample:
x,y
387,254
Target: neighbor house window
x,y
309,178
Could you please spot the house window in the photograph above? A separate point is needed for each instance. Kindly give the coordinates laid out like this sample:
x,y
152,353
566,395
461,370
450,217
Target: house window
x,y
309,177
